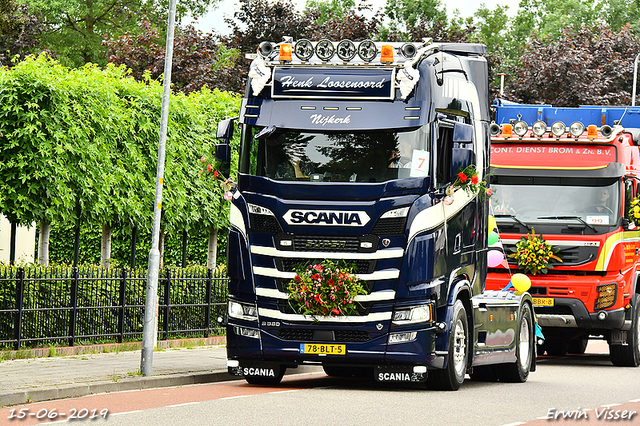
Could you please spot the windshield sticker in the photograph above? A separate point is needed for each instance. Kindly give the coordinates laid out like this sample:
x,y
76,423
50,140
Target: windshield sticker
x,y
533,156
598,220
419,163
323,120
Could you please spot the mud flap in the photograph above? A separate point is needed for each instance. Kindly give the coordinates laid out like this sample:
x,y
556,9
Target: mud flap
x,y
394,373
256,369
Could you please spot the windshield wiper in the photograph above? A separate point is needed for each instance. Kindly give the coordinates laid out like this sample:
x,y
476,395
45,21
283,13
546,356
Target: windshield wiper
x,y
578,218
515,219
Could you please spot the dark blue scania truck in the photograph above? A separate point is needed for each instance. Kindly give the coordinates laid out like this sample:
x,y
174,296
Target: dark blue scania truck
x,y
347,152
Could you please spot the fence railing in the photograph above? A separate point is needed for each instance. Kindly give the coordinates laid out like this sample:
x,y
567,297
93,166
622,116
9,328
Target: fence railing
x,y
69,306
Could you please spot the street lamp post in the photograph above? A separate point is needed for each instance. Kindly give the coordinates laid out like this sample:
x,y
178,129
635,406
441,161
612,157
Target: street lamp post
x,y
150,329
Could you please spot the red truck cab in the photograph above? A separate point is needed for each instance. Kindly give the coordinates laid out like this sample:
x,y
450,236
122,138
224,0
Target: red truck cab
x,y
571,175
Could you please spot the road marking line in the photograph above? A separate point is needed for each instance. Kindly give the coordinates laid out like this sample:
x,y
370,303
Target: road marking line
x,y
514,424
635,400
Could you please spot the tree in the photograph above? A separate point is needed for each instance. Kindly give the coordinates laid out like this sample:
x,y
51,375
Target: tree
x,y
75,28
19,31
198,59
584,67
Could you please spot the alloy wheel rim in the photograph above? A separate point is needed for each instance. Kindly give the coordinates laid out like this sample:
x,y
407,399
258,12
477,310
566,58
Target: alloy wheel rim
x,y
459,348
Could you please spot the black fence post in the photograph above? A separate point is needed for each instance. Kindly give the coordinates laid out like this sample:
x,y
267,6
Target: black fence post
x,y
184,248
167,299
207,312
74,306
12,244
121,316
19,306
134,242
76,245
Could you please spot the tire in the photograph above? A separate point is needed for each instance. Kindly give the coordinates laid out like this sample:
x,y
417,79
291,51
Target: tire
x,y
518,372
629,355
452,376
266,381
556,347
578,345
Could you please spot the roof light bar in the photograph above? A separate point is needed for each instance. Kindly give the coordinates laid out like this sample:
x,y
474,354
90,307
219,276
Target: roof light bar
x,y
558,129
367,51
325,50
346,50
386,53
507,130
285,52
576,129
539,128
520,128
303,49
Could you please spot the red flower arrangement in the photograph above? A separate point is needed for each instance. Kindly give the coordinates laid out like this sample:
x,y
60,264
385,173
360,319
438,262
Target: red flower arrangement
x,y
468,180
324,289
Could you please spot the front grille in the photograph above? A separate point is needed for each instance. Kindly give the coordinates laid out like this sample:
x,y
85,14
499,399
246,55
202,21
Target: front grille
x,y
391,226
264,223
307,335
362,266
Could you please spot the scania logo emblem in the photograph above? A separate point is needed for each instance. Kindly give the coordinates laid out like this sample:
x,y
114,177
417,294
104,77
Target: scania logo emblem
x,y
379,326
326,217
386,242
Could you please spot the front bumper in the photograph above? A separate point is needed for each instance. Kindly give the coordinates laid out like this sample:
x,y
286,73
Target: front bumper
x,y
572,313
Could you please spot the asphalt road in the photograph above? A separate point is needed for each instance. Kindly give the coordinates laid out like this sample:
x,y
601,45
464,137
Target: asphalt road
x,y
580,388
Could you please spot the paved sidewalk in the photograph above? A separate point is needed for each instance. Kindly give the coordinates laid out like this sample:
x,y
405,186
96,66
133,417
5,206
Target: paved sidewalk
x,y
42,379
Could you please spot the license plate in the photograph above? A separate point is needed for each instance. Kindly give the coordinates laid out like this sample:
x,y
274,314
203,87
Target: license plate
x,y
327,349
543,301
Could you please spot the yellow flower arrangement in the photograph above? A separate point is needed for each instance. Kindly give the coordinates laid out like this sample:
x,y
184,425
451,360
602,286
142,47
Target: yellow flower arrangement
x,y
634,211
534,254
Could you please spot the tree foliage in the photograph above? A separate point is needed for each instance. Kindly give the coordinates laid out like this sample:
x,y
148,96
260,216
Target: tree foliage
x,y
198,59
75,28
82,145
19,31
584,67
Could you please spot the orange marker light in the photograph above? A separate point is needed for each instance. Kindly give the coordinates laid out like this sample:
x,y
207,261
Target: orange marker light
x,y
285,52
592,131
507,130
386,53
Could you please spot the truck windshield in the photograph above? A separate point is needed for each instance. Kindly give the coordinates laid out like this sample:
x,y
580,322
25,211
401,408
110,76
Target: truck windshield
x,y
593,205
356,156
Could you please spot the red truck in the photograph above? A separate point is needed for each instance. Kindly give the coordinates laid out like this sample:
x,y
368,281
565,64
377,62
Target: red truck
x,y
572,175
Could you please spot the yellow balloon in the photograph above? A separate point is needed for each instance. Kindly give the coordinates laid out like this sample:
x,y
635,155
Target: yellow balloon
x,y
492,223
521,282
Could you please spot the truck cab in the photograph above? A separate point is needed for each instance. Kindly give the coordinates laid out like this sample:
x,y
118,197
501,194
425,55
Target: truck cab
x,y
349,153
571,174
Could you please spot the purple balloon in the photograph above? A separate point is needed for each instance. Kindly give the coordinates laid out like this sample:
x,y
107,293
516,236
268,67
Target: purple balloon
x,y
494,258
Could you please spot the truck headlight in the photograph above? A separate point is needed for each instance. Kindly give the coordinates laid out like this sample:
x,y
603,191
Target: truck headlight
x,y
607,294
244,311
413,315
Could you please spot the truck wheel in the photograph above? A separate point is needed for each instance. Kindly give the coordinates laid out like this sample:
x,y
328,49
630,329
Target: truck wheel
x,y
453,375
556,347
578,345
267,381
629,355
518,372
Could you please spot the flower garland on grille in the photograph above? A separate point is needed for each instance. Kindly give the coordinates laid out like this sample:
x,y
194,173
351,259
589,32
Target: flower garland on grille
x,y
325,289
534,254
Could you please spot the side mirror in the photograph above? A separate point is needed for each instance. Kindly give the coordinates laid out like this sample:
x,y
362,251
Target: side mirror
x,y
223,154
225,129
462,133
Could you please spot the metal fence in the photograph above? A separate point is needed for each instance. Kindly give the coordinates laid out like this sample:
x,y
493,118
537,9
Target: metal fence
x,y
69,306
